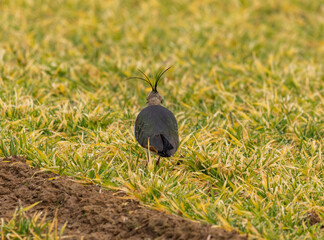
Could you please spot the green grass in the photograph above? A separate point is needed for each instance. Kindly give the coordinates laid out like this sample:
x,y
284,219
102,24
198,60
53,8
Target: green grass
x,y
246,87
24,227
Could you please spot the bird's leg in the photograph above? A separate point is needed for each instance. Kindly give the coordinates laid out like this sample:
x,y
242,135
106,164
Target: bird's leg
x,y
158,161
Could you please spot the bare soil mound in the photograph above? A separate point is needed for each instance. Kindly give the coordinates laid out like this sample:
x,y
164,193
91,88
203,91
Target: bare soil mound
x,y
90,212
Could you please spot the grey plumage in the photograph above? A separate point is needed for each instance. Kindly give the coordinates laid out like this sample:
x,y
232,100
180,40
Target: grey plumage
x,y
160,126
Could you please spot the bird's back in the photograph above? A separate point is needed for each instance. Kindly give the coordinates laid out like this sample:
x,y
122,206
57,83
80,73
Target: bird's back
x,y
159,125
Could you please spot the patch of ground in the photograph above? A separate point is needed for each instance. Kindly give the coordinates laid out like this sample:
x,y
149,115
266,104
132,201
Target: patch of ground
x,y
90,212
314,218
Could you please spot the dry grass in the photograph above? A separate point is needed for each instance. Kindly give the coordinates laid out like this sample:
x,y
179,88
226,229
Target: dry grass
x,y
247,90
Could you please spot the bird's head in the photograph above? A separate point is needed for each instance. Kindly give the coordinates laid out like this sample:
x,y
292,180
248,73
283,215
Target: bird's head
x,y
153,98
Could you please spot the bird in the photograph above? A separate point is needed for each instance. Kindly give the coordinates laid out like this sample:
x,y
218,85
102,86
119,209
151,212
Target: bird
x,y
156,127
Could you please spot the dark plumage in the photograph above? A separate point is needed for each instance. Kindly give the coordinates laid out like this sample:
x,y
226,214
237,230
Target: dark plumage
x,y
156,123
160,126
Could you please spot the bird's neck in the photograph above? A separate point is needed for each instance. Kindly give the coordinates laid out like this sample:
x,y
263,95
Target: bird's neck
x,y
153,101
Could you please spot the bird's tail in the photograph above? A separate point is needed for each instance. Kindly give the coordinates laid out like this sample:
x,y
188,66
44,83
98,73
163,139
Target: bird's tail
x,y
167,146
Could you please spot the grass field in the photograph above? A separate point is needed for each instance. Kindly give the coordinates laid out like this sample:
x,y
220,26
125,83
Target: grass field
x,y
247,89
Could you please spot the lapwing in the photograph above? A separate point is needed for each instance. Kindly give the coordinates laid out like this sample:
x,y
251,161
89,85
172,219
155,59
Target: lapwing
x,y
155,126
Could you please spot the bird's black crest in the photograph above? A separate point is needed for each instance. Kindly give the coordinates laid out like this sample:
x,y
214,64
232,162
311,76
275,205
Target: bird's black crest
x,y
157,78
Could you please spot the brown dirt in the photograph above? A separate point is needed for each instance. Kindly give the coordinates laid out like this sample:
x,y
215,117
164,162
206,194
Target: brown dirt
x,y
90,213
313,218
